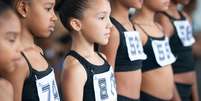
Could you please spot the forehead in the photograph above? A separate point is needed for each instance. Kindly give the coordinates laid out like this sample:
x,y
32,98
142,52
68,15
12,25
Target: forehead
x,y
99,5
43,1
9,22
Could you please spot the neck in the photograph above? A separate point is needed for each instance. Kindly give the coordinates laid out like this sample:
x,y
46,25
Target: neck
x,y
173,11
119,11
27,38
81,45
172,7
145,16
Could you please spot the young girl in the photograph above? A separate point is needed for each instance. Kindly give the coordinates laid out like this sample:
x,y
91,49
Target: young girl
x,y
34,80
177,25
124,50
157,76
9,48
87,76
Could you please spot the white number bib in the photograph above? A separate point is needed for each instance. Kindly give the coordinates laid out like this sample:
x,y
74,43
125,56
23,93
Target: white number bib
x,y
162,52
105,86
47,88
184,31
134,46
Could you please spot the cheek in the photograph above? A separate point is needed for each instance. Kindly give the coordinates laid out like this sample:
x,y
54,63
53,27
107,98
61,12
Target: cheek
x,y
41,19
5,57
160,6
94,27
7,54
2,58
101,28
137,4
40,28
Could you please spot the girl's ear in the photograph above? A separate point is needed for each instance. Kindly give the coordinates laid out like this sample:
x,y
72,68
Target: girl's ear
x,y
75,24
22,8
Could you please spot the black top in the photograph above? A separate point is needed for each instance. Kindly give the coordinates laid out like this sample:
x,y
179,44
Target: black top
x,y
122,62
151,62
30,92
185,61
93,70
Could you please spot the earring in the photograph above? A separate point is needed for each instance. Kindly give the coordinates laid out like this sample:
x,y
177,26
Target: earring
x,y
24,15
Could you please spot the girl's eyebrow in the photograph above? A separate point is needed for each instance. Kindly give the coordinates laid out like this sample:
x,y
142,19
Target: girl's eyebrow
x,y
49,3
103,12
11,33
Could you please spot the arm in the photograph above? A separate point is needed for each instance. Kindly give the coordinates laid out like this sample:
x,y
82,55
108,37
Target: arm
x,y
197,46
17,78
176,96
73,80
110,50
6,90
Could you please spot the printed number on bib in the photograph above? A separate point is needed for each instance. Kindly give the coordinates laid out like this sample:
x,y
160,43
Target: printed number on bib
x,y
134,46
47,88
105,86
162,52
184,31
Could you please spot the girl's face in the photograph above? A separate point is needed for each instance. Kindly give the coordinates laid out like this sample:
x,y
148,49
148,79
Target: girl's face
x,y
95,22
157,5
9,40
41,17
132,3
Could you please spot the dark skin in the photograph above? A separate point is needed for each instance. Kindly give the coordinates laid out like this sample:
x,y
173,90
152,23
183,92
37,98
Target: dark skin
x,y
43,11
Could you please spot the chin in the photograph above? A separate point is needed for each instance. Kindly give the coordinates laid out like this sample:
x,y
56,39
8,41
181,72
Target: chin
x,y
163,9
138,7
10,67
103,42
45,35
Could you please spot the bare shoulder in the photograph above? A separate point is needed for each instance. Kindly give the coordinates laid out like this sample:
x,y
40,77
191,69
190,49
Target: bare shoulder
x,y
72,67
187,16
114,37
103,55
114,31
39,49
5,84
159,25
6,90
73,79
161,17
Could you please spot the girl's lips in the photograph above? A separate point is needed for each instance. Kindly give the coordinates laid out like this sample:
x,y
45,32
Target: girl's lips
x,y
166,3
17,59
107,34
51,28
141,1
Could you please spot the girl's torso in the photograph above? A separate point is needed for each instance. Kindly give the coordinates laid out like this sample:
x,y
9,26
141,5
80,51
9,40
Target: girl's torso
x,y
100,84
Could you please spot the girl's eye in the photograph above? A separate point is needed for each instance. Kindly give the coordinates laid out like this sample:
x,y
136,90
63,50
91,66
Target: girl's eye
x,y
12,39
48,9
101,18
